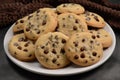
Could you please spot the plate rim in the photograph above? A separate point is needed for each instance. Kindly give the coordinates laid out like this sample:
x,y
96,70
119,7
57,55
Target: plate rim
x,y
60,74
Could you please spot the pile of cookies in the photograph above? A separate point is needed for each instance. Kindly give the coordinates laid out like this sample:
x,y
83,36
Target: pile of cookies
x,y
57,37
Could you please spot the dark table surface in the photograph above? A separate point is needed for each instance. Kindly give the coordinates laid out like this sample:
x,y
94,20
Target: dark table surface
x,y
108,71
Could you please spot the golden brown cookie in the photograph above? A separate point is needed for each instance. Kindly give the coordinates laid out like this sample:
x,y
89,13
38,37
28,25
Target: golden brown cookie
x,y
70,23
71,8
49,50
93,19
19,24
43,21
103,36
83,49
21,48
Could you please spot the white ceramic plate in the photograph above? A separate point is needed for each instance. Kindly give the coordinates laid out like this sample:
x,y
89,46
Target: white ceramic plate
x,y
37,68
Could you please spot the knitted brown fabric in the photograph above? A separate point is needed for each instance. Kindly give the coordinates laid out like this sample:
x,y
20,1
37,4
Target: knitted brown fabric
x,y
10,12
54,3
24,1
10,7
111,5
43,1
107,3
114,23
7,17
31,7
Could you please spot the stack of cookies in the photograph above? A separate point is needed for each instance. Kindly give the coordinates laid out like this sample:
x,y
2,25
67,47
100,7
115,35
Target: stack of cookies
x,y
58,37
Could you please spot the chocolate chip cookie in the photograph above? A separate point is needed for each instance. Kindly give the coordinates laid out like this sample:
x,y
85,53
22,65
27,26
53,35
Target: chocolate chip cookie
x,y
83,49
49,50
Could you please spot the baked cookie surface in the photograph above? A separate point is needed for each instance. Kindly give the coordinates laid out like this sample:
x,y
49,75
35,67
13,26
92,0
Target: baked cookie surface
x,y
22,48
49,50
93,19
103,36
83,49
19,24
69,23
43,21
71,8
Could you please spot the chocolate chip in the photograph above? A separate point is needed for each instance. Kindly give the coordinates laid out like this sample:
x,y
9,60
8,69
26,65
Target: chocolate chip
x,y
25,39
46,51
74,28
54,51
75,44
98,36
63,41
82,55
42,47
63,18
38,11
30,55
38,32
86,61
30,16
91,32
15,53
44,22
54,60
93,36
91,41
64,5
56,29
82,49
19,47
96,18
94,53
58,56
58,64
76,21
83,40
56,37
62,51
21,21
99,56
27,29
16,44
53,45
76,57
25,50
26,44
92,15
